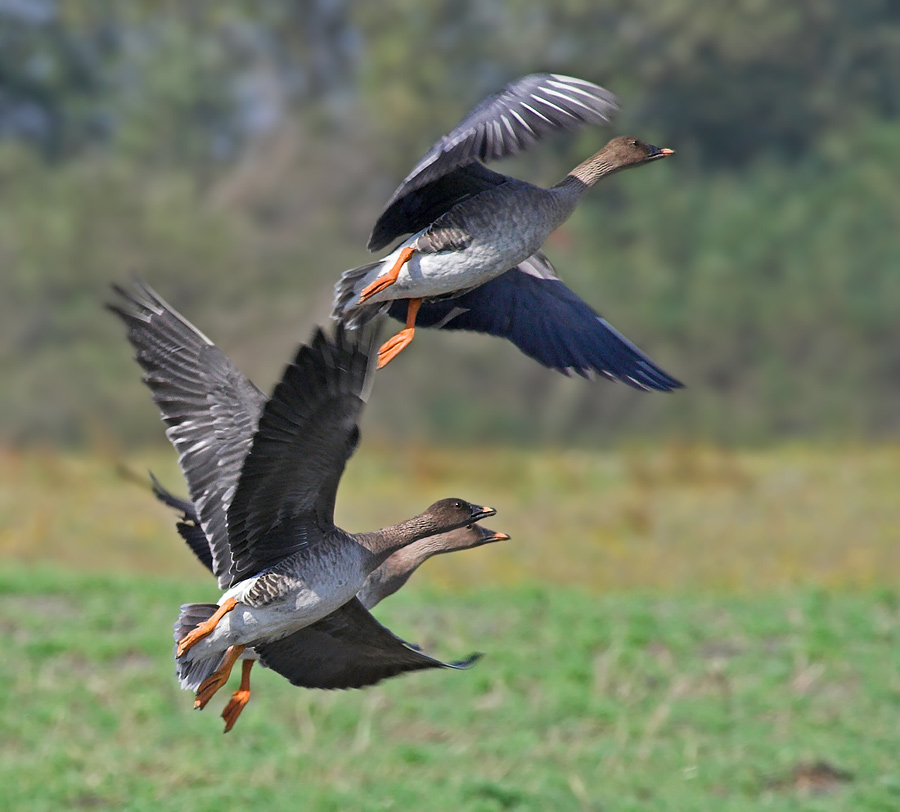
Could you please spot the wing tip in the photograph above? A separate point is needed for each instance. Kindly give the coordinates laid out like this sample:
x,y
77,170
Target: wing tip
x,y
467,663
145,304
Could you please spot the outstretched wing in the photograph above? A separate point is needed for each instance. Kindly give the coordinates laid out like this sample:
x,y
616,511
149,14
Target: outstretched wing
x,y
210,408
531,307
416,211
307,431
502,125
346,649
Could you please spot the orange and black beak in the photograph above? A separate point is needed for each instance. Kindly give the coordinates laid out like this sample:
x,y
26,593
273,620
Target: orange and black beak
x,y
479,513
489,536
659,152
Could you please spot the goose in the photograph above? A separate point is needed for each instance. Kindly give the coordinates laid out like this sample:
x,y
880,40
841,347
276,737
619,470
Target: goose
x,y
474,260
263,476
328,645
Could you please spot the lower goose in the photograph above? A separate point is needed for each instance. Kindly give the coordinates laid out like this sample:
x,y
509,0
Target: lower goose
x,y
262,474
329,645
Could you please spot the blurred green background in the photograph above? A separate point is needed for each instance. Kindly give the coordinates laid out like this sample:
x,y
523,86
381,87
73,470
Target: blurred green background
x,y
698,608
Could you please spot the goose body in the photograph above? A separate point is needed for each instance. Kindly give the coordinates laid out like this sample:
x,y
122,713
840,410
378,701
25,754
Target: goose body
x,y
348,646
381,583
496,230
291,595
472,259
263,475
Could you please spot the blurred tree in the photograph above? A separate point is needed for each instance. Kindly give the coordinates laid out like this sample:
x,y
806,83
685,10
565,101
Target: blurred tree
x,y
245,149
190,83
50,78
727,83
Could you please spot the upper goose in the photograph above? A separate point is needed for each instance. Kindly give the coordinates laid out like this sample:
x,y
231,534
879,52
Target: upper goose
x,y
330,650
473,261
263,475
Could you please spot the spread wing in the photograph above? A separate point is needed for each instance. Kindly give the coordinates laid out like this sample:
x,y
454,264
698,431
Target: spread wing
x,y
531,307
308,429
210,408
346,649
414,212
502,125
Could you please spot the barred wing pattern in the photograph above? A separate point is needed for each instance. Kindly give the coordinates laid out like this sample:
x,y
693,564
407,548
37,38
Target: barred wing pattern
x,y
209,407
502,125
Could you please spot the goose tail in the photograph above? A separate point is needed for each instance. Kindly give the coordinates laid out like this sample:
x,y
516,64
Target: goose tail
x,y
192,668
347,309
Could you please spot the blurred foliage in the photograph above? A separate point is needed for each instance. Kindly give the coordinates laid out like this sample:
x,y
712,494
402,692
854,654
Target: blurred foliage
x,y
236,154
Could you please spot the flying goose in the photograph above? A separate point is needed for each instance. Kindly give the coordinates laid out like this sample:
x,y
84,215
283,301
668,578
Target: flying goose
x,y
473,260
262,475
329,647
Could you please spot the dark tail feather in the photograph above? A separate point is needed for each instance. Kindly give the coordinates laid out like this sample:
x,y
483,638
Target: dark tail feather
x,y
192,615
189,527
190,670
167,498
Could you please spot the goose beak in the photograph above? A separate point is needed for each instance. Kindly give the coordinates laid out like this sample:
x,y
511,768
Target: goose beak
x,y
654,152
491,536
480,513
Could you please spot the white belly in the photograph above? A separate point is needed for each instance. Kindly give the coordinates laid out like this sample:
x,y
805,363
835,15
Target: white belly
x,y
247,625
429,275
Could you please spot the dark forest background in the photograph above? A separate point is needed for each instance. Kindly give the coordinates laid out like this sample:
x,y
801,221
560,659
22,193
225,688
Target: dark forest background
x,y
235,154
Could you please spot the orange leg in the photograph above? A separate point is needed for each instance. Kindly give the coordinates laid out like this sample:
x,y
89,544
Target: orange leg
x,y
394,346
218,678
205,628
389,278
239,698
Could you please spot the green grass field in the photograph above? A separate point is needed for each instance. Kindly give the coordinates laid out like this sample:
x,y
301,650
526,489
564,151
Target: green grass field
x,y
714,630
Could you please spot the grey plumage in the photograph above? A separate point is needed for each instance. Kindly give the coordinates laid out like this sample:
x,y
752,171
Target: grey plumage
x,y
475,236
201,396
349,648
346,649
285,496
192,672
262,475
500,126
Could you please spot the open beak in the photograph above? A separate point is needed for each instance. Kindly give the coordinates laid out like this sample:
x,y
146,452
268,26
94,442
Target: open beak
x,y
492,536
482,513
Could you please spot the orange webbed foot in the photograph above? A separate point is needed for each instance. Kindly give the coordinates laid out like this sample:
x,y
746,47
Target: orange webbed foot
x,y
377,286
236,704
218,678
239,698
394,346
204,629
384,282
208,689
